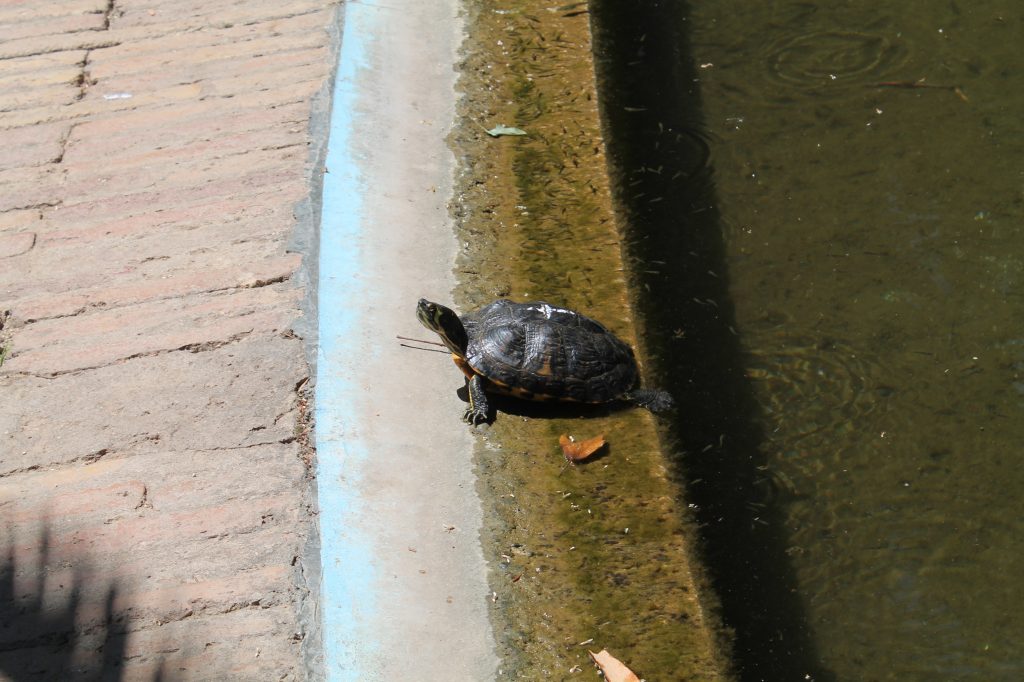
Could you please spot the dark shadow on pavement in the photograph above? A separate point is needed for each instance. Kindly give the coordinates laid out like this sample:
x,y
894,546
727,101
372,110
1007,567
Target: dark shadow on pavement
x,y
58,616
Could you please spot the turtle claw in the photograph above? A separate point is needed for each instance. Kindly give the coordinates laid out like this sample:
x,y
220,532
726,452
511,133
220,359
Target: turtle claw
x,y
473,416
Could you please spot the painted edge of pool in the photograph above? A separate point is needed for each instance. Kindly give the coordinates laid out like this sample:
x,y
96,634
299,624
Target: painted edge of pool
x,y
346,594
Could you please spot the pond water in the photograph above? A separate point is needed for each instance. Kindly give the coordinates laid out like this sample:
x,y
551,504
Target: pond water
x,y
825,207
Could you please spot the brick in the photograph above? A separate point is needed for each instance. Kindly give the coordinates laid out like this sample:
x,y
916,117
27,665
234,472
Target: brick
x,y
250,19
169,501
238,395
105,336
167,106
56,43
248,220
148,601
158,12
186,240
48,26
29,67
22,188
32,72
32,145
181,53
67,500
97,106
217,554
198,161
17,11
265,544
252,183
39,81
23,220
16,243
53,95
242,645
310,74
110,501
134,133
217,72
95,530
192,251
231,516
177,170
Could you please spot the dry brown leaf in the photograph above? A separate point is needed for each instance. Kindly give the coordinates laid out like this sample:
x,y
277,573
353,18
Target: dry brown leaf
x,y
577,451
614,670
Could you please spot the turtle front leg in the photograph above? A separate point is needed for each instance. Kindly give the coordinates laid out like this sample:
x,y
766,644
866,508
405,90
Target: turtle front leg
x,y
478,408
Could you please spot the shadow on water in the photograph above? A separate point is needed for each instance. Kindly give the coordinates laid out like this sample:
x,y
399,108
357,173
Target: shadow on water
x,y
49,628
652,112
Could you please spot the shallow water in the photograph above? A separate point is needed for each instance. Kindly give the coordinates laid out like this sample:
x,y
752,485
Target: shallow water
x,y
595,555
832,263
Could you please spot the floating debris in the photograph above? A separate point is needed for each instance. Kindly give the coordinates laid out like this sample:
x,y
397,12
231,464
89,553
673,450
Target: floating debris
x,y
501,129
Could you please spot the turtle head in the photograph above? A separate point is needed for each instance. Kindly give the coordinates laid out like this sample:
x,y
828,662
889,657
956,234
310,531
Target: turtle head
x,y
445,323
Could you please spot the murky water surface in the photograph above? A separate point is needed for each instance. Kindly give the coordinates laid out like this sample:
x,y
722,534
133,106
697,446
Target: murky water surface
x,y
826,201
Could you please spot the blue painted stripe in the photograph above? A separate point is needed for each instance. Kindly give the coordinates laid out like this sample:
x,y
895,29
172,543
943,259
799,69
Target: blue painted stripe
x,y
347,595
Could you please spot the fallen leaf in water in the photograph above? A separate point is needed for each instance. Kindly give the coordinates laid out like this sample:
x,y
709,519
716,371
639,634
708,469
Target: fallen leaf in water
x,y
577,451
501,129
614,670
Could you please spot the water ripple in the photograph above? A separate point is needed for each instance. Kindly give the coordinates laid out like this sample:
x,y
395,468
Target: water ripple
x,y
831,386
824,57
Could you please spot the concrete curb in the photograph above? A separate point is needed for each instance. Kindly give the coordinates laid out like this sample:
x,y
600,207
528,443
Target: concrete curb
x,y
403,577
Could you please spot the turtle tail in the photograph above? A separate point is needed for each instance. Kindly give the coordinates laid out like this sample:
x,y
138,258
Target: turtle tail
x,y
653,400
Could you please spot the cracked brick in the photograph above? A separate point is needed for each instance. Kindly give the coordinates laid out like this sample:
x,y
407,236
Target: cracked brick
x,y
216,398
95,339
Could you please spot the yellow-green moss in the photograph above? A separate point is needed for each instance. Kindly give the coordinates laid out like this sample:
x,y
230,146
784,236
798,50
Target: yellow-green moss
x,y
597,555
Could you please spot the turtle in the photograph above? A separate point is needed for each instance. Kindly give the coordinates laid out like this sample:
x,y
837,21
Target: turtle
x,y
538,351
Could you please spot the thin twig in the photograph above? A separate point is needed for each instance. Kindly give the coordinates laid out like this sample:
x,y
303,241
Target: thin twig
x,y
408,338
432,350
914,85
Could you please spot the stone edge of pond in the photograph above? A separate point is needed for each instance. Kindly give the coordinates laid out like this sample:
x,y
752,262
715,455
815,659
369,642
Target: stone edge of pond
x,y
600,555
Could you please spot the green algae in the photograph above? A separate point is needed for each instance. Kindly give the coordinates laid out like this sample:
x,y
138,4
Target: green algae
x,y
597,555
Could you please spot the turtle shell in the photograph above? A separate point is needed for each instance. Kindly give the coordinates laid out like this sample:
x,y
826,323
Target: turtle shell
x,y
539,351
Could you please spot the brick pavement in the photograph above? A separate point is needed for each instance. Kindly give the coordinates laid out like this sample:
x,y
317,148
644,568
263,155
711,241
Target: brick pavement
x,y
155,498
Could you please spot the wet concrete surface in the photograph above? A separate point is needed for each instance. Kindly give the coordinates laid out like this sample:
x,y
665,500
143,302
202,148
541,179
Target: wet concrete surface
x,y
599,554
